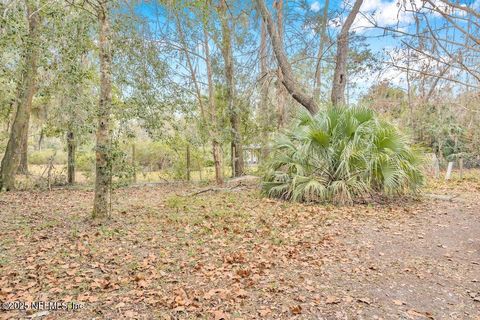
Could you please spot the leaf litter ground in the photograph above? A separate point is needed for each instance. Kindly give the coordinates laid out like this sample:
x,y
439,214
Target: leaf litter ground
x,y
236,255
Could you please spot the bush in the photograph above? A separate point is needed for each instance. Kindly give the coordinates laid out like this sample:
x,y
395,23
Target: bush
x,y
339,155
42,157
154,155
85,161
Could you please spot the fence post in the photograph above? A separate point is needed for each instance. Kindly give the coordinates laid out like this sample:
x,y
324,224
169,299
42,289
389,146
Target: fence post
x,y
233,162
134,163
199,169
188,162
460,164
436,166
449,171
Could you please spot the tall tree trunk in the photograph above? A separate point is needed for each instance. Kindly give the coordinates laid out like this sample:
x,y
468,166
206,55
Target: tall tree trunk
x,y
264,108
281,93
103,161
288,80
26,89
216,149
317,89
23,166
71,148
340,73
236,145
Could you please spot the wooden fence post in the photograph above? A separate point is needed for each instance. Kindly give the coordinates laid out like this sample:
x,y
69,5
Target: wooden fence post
x,y
436,166
448,175
200,169
188,162
233,162
460,164
134,163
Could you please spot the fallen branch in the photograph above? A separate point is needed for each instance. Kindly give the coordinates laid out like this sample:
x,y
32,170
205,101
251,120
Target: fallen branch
x,y
212,189
202,191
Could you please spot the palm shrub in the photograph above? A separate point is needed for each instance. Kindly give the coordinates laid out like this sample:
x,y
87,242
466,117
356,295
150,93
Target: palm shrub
x,y
339,155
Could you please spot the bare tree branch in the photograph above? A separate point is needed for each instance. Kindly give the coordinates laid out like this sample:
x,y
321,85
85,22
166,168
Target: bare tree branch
x,y
288,79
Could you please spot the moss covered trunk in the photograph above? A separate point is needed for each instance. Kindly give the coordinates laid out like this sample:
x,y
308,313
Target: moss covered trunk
x,y
236,144
26,90
23,166
101,208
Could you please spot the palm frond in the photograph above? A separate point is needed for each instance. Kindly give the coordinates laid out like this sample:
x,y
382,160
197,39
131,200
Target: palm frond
x,y
341,154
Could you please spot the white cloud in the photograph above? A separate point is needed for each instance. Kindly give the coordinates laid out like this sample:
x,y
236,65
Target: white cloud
x,y
315,7
383,14
398,63
388,13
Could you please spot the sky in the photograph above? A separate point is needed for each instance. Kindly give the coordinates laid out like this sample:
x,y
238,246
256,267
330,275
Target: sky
x,y
387,14
384,12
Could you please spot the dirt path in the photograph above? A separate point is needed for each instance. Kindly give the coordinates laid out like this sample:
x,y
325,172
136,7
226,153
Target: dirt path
x,y
426,265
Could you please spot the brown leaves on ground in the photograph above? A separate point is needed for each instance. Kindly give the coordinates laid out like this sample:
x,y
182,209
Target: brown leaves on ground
x,y
228,255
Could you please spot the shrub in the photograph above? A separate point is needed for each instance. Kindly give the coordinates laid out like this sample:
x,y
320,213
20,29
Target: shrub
x,y
339,155
85,161
42,157
153,155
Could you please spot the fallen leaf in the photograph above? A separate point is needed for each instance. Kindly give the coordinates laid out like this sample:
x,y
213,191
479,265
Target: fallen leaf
x,y
264,312
210,294
399,302
39,314
220,315
130,314
296,309
415,313
332,300
241,293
